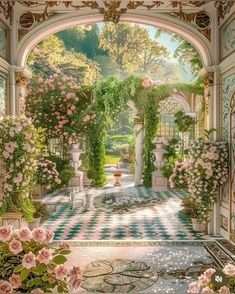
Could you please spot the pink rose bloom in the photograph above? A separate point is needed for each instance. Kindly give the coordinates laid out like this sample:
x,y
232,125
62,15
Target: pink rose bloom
x,y
29,260
5,287
38,235
202,280
40,80
194,288
24,234
44,256
5,233
69,112
74,278
229,270
15,246
61,272
224,290
15,281
37,291
209,272
208,290
49,236
64,245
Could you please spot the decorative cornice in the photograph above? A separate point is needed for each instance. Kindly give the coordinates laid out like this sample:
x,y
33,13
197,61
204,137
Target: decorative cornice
x,y
208,79
223,8
6,8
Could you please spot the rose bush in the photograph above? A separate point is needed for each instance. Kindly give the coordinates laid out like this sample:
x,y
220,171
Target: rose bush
x,y
21,144
30,264
205,170
204,283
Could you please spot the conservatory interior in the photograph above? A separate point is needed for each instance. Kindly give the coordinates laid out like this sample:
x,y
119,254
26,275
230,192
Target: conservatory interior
x,y
117,146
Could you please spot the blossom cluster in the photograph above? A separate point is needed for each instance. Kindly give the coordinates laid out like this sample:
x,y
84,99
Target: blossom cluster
x,y
33,265
148,82
57,105
20,146
204,171
205,286
47,173
160,140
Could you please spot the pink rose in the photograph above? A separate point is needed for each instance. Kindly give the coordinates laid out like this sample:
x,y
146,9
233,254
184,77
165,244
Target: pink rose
x,y
209,272
229,270
61,272
49,236
74,278
38,235
37,291
224,290
202,280
5,287
64,245
5,233
207,290
29,260
15,246
24,234
194,288
44,256
15,281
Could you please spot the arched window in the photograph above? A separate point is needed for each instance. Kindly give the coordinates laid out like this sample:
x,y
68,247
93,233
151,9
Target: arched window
x,y
168,107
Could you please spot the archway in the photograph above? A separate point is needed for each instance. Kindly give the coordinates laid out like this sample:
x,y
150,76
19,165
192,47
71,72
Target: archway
x,y
56,24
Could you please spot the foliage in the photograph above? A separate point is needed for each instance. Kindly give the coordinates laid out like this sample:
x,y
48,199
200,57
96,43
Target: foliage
x,y
21,144
171,156
131,47
30,264
47,173
206,283
207,134
185,123
64,170
50,56
205,170
40,209
190,207
186,53
59,106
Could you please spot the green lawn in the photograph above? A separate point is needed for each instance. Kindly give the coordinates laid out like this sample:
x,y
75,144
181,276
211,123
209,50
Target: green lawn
x,y
121,139
111,159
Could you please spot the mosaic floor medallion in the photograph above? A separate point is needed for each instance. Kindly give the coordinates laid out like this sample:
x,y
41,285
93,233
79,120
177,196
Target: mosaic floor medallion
x,y
118,276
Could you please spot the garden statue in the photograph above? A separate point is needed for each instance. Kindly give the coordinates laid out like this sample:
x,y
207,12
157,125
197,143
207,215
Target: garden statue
x,y
77,180
159,182
117,173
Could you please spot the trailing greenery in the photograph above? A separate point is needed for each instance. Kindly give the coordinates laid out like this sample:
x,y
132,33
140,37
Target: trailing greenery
x,y
171,156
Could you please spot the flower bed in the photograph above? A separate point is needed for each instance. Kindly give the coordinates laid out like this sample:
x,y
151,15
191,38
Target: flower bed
x,y
120,203
30,264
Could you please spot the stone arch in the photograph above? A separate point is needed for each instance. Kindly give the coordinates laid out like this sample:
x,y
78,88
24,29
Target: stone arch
x,y
182,101
55,24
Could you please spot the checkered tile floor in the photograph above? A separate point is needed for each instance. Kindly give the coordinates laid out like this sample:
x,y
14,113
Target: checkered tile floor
x,y
163,221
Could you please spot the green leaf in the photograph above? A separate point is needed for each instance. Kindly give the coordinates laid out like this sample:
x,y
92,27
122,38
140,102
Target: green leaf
x,y
37,281
65,252
24,274
60,289
30,283
18,268
59,259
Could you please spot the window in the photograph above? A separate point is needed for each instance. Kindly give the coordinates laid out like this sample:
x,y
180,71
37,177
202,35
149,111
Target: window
x,y
167,127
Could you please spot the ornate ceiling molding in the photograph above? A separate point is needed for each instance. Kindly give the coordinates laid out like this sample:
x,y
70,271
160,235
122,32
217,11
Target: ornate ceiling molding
x,y
111,10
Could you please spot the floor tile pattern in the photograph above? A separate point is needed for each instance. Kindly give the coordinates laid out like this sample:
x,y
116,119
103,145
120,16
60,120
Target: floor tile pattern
x,y
163,221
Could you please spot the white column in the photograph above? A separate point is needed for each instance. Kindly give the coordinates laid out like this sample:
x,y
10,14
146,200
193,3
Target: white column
x,y
139,137
12,82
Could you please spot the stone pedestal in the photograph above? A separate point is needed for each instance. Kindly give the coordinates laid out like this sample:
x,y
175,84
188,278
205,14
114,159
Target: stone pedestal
x,y
159,182
77,181
13,219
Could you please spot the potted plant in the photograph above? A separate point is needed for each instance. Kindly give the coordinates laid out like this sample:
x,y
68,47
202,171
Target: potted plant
x,y
191,208
37,216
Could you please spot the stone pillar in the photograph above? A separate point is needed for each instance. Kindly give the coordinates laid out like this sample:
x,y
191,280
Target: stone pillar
x,y
21,77
139,136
